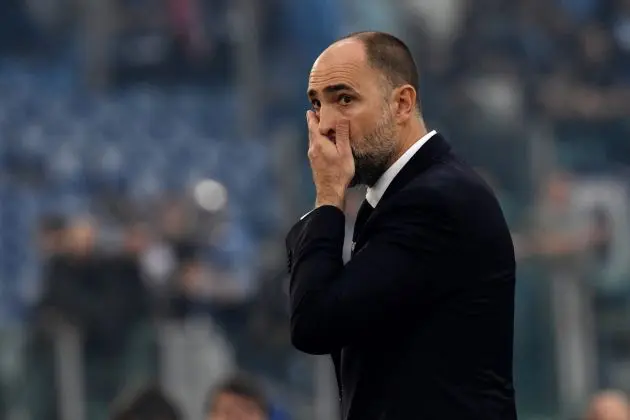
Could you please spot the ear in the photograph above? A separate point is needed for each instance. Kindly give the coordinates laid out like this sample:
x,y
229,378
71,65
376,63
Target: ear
x,y
405,103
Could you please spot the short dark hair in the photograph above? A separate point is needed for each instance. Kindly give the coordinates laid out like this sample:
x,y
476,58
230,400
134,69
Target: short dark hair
x,y
390,55
148,404
243,386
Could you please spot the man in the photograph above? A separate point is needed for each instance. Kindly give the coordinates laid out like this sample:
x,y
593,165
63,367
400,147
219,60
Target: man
x,y
238,398
419,323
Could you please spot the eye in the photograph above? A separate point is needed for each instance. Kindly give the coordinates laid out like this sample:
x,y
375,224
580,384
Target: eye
x,y
315,104
345,99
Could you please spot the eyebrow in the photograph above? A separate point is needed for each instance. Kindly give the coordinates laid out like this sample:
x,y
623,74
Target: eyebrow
x,y
330,89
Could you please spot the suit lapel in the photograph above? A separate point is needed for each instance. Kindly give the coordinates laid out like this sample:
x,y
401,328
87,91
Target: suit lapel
x,y
435,148
429,153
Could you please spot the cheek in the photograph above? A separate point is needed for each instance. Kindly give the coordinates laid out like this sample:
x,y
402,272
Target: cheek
x,y
357,135
357,115
361,126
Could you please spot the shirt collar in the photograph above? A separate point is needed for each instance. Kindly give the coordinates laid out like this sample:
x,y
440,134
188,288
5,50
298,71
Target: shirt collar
x,y
375,193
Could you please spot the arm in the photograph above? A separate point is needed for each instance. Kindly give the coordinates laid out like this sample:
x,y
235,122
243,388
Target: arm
x,y
332,305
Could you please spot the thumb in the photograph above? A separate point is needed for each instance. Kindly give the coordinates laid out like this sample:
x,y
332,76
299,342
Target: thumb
x,y
342,137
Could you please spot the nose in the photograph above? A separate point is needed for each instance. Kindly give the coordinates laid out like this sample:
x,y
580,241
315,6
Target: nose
x,y
327,122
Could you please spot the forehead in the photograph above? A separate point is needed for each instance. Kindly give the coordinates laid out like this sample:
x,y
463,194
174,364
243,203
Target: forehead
x,y
343,63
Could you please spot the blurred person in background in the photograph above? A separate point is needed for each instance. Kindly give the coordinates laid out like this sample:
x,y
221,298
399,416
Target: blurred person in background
x,y
608,405
102,299
188,278
51,242
238,398
212,274
213,277
155,257
563,240
191,288
392,335
148,404
558,231
177,224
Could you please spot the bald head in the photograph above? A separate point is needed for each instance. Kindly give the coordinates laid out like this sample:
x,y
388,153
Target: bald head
x,y
370,80
389,55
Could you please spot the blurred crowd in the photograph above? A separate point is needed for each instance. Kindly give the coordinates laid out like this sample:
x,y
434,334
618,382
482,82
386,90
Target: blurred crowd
x,y
152,155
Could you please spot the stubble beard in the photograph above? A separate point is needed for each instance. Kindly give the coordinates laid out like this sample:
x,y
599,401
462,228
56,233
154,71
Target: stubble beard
x,y
379,148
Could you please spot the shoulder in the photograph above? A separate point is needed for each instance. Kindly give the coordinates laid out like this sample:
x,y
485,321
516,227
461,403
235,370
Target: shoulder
x,y
450,182
450,192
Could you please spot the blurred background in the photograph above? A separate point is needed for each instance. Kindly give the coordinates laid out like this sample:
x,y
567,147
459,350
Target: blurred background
x,y
153,156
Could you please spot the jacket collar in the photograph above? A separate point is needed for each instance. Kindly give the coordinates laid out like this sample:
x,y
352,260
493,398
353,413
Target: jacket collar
x,y
435,148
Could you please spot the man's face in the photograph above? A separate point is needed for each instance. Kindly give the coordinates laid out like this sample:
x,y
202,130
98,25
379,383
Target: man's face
x,y
234,407
342,85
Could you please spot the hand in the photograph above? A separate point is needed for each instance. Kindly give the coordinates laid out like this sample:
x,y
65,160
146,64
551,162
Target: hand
x,y
331,162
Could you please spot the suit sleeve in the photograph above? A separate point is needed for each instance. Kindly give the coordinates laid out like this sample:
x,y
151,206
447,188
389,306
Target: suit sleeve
x,y
333,305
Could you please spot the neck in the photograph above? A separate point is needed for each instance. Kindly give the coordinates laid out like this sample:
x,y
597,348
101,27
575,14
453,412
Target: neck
x,y
409,136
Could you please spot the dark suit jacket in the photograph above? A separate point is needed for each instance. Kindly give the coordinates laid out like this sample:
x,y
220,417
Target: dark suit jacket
x,y
419,323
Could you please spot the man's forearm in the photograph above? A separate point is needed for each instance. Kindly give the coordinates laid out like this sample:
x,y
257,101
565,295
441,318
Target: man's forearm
x,y
317,250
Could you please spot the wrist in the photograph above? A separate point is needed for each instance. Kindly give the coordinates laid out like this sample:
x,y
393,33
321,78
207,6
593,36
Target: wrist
x,y
330,200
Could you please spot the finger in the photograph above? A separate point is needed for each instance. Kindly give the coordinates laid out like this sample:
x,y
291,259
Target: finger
x,y
342,137
311,122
